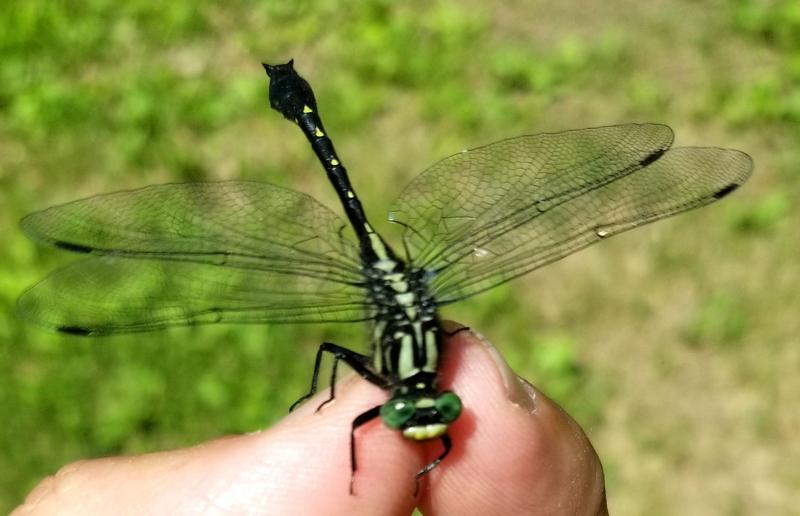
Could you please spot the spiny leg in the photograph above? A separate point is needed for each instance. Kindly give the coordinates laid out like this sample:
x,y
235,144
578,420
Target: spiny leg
x,y
357,422
332,384
424,471
356,361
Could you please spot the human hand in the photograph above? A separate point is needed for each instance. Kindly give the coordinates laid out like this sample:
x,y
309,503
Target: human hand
x,y
514,452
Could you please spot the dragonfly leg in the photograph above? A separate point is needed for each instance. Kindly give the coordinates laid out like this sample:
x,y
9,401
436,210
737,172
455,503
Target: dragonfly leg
x,y
357,422
447,443
356,361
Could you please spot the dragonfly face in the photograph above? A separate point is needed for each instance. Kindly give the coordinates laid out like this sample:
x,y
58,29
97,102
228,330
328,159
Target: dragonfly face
x,y
420,415
165,255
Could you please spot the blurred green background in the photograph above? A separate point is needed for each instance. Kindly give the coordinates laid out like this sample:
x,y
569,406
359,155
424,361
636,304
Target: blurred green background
x,y
675,346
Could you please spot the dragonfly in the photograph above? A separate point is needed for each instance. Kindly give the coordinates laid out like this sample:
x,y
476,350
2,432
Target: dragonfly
x,y
253,252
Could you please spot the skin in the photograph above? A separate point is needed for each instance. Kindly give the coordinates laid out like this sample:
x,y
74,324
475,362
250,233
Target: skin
x,y
514,452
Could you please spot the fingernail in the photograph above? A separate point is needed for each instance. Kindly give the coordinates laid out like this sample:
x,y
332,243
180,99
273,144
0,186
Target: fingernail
x,y
518,391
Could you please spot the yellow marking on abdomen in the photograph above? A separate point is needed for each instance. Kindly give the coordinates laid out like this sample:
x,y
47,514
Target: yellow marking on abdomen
x,y
377,245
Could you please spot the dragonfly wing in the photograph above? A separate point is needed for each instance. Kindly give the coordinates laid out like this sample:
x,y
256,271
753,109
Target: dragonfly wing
x,y
237,224
180,254
111,294
497,212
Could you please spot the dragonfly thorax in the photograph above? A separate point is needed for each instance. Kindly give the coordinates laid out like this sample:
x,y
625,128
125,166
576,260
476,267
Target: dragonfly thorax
x,y
406,335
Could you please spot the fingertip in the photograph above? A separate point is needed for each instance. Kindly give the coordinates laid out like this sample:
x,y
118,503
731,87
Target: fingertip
x,y
510,439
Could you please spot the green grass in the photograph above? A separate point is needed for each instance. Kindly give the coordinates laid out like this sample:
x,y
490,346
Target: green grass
x,y
675,346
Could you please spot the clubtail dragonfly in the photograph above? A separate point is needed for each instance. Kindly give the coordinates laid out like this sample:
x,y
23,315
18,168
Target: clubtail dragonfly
x,y
253,252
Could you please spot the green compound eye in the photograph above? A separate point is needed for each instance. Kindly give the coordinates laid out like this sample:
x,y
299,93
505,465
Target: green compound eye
x,y
449,406
395,413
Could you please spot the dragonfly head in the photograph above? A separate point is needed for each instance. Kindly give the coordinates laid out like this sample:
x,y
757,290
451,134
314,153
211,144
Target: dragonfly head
x,y
289,93
421,417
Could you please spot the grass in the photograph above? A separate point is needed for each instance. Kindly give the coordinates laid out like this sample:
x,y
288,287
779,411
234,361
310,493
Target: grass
x,y
675,346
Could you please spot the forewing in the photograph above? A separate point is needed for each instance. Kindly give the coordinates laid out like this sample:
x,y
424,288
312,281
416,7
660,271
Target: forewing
x,y
233,224
519,204
470,198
